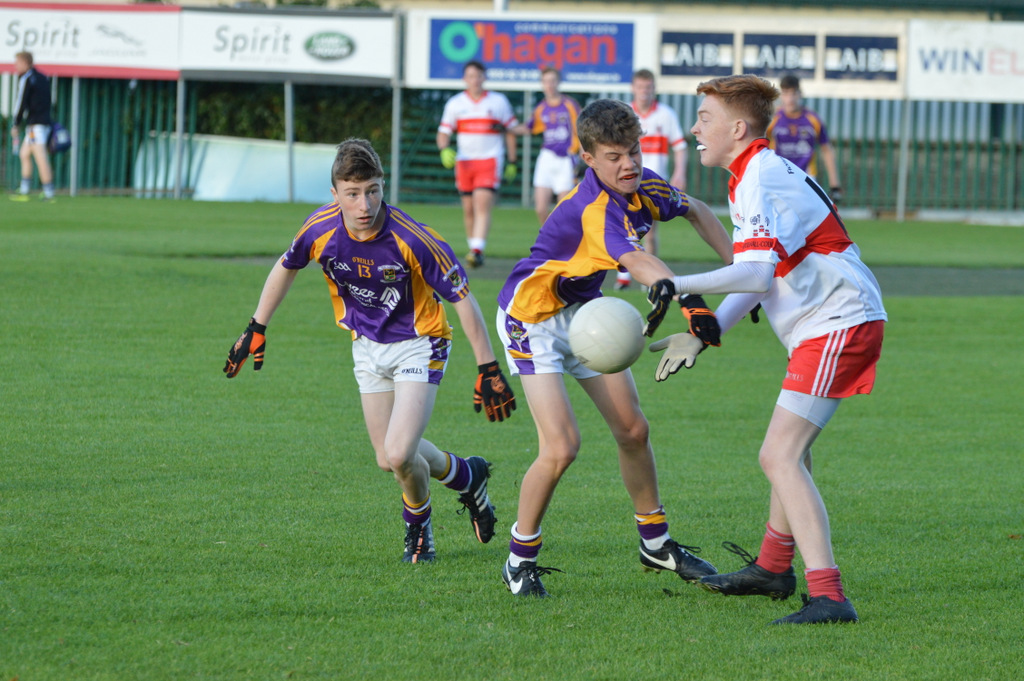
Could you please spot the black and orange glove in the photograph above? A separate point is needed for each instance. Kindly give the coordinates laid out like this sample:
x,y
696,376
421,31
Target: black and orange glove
x,y
493,393
252,342
703,322
660,295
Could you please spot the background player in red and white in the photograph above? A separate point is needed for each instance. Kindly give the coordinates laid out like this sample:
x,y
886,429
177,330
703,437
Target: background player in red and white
x,y
387,275
798,134
792,255
596,228
663,138
481,121
554,117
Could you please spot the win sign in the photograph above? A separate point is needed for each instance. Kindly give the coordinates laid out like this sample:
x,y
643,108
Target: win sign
x,y
593,53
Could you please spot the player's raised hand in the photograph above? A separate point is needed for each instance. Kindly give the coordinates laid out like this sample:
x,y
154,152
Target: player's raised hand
x,y
252,342
703,322
492,393
659,296
681,350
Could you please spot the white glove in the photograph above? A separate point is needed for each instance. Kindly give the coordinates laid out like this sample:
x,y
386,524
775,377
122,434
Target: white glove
x,y
683,349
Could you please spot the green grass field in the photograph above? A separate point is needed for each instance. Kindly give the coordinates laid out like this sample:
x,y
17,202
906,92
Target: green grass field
x,y
160,522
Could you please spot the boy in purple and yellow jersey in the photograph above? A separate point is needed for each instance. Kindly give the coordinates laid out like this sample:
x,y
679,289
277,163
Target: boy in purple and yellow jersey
x,y
554,118
798,134
387,275
596,228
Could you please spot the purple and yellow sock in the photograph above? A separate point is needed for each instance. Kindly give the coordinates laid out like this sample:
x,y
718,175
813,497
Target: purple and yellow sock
x,y
523,548
413,513
653,528
457,475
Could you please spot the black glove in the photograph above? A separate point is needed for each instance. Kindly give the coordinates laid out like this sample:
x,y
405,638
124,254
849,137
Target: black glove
x,y
492,393
754,314
252,342
703,322
837,195
660,295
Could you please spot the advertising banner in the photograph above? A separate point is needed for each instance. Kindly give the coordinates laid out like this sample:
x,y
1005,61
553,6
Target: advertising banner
x,y
323,45
832,57
592,52
966,61
98,41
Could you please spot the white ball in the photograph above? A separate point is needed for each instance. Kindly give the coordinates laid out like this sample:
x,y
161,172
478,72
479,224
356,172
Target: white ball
x,y
606,335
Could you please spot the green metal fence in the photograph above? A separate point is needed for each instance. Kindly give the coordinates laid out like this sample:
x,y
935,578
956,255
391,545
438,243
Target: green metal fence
x,y
962,156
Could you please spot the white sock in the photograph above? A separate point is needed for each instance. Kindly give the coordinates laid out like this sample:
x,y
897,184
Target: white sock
x,y
477,244
656,543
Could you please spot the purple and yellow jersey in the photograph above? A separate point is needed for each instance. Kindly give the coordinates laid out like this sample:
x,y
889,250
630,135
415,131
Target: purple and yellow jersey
x,y
386,288
797,139
558,123
586,234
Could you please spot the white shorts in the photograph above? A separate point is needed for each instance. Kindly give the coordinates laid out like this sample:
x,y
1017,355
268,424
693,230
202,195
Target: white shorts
x,y
378,366
37,134
541,348
554,172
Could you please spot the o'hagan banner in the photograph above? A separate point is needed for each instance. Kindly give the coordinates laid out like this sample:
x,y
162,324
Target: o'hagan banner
x,y
98,41
591,52
966,61
323,44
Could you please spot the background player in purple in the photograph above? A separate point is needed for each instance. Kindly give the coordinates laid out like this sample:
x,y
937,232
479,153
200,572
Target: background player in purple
x,y
555,118
387,274
798,134
596,228
792,255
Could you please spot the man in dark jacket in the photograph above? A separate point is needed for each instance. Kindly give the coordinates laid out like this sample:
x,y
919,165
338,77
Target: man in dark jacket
x,y
32,109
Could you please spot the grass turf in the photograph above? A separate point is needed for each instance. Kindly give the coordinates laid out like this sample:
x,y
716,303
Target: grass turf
x,y
158,521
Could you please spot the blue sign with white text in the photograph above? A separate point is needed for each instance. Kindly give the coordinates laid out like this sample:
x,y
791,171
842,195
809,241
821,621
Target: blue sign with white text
x,y
861,58
596,53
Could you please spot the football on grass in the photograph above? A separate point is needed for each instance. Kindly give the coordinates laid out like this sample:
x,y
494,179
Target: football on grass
x,y
606,335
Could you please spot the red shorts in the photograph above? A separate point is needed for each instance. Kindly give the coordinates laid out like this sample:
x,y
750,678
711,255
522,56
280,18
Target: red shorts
x,y
837,365
477,174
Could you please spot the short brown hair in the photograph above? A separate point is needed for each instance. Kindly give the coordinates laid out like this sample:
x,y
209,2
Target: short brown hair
x,y
643,74
789,82
26,57
356,161
610,122
749,96
551,69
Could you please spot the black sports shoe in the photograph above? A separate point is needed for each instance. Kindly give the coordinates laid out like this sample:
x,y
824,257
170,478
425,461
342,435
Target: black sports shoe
x,y
481,510
678,559
419,542
821,610
475,258
753,580
525,579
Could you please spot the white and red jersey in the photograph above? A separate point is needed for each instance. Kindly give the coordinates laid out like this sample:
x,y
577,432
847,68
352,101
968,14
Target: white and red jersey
x,y
662,134
478,124
781,216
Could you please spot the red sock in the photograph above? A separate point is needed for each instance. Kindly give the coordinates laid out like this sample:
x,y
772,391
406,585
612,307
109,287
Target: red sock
x,y
825,582
776,553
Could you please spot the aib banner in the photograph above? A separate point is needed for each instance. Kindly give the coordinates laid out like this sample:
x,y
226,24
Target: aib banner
x,y
772,55
591,53
966,61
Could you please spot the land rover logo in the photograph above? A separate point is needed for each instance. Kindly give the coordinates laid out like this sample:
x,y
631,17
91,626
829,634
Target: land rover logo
x,y
330,46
